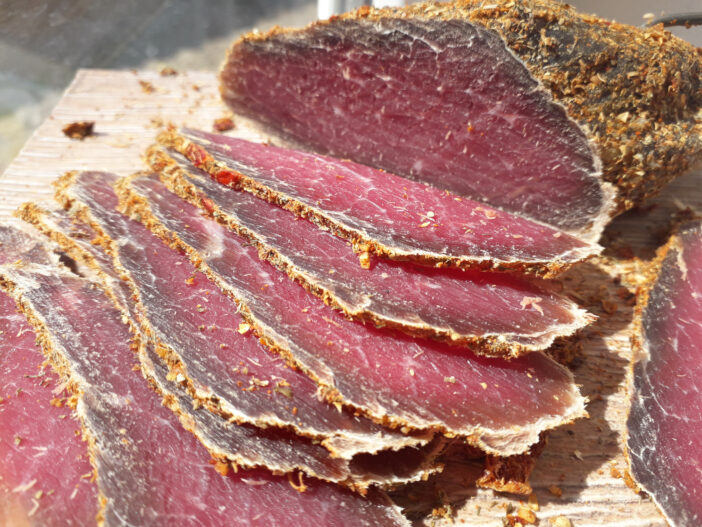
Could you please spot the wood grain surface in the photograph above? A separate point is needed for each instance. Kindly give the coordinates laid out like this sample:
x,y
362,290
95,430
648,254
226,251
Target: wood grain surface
x,y
585,460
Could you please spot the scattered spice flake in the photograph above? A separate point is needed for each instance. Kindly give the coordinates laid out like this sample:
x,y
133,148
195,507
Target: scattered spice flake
x,y
167,71
560,521
38,495
79,129
222,467
200,308
147,87
526,515
484,385
18,440
244,328
300,487
425,224
365,259
223,124
489,213
533,502
578,455
190,281
451,380
411,372
532,301
285,391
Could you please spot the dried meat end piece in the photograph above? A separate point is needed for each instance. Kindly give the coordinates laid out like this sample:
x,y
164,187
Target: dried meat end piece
x,y
129,427
44,462
240,380
575,105
666,406
382,213
481,310
412,384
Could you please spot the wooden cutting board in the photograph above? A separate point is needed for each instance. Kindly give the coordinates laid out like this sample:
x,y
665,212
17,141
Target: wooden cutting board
x,y
585,460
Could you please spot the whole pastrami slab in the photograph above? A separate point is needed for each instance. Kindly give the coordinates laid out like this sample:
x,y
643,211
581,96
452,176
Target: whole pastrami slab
x,y
527,105
497,405
664,440
382,213
208,344
494,313
150,471
46,479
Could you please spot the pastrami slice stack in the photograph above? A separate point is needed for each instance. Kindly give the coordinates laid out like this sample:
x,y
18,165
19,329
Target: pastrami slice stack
x,y
664,441
493,313
380,212
499,406
45,475
149,470
525,105
222,362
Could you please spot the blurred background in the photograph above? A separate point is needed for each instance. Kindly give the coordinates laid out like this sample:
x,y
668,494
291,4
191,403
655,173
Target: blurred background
x,y
43,42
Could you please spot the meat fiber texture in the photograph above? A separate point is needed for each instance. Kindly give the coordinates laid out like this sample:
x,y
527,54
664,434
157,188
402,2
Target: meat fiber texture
x,y
380,212
664,441
149,471
45,475
494,313
276,449
496,405
535,109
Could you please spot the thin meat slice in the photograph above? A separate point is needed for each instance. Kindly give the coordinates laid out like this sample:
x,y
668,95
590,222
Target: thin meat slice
x,y
664,441
207,344
382,213
149,471
494,313
527,105
497,405
45,475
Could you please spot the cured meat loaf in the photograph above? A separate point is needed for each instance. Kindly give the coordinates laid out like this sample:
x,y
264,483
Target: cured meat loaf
x,y
536,109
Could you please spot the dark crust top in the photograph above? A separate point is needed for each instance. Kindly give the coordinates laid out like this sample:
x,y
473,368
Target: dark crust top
x,y
636,92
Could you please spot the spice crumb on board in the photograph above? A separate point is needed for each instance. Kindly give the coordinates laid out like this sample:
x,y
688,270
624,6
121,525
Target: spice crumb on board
x,y
223,124
79,129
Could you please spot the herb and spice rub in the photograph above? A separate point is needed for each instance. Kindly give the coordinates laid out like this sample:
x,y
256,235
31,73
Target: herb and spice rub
x,y
497,405
381,213
665,419
495,314
527,105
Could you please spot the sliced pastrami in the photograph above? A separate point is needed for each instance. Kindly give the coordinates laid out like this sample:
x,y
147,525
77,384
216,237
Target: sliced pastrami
x,y
150,472
45,475
495,313
500,406
665,420
518,104
382,213
208,344
244,445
